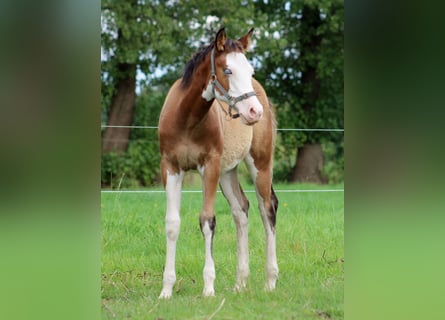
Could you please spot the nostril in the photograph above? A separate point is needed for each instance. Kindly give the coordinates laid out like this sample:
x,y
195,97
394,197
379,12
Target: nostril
x,y
255,113
252,112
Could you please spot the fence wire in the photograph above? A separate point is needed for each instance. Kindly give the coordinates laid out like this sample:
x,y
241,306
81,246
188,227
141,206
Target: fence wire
x,y
246,191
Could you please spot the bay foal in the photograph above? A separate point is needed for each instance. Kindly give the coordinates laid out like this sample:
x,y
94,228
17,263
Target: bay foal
x,y
214,117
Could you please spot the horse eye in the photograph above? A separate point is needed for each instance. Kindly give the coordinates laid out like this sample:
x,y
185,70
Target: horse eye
x,y
227,71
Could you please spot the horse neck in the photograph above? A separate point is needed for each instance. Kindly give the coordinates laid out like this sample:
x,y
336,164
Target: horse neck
x,y
194,105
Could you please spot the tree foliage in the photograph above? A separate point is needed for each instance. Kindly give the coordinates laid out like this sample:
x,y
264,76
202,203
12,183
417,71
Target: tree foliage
x,y
162,35
295,39
159,37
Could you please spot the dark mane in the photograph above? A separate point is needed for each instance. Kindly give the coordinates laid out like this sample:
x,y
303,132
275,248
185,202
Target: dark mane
x,y
193,64
198,58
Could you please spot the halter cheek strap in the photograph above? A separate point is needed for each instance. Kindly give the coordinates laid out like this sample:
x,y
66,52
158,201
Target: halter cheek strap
x,y
232,101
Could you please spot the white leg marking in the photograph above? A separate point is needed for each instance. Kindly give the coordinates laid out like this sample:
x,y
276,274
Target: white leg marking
x,y
228,182
271,255
172,225
209,266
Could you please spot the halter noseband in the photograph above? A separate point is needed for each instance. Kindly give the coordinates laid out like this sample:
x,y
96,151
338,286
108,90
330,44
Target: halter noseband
x,y
232,101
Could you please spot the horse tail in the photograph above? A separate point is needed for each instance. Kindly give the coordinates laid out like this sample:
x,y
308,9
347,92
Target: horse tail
x,y
272,111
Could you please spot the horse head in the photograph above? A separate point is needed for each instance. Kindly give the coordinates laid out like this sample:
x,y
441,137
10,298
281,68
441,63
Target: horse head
x,y
231,77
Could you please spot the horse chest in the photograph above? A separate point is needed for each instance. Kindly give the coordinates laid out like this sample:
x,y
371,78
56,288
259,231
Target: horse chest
x,y
237,143
190,154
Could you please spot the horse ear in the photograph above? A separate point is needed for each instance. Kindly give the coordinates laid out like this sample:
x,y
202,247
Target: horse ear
x,y
245,40
220,39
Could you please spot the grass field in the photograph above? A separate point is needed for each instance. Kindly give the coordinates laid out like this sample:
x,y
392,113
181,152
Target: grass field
x,y
310,255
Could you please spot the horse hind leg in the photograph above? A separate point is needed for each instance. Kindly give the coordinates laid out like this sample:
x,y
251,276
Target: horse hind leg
x,y
173,185
239,206
271,264
268,206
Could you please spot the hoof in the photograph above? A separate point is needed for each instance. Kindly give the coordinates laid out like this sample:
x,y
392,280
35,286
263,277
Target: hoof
x,y
269,286
239,287
208,292
165,294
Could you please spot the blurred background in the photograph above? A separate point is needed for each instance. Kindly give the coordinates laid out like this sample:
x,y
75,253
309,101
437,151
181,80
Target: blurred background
x,y
297,53
61,59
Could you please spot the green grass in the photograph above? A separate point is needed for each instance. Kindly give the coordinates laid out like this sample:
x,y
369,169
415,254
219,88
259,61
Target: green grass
x,y
310,255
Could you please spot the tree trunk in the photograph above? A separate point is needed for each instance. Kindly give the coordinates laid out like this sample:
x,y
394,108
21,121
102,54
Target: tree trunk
x,y
309,164
309,161
121,111
310,43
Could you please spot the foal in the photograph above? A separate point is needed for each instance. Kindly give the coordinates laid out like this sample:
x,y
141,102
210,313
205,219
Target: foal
x,y
214,117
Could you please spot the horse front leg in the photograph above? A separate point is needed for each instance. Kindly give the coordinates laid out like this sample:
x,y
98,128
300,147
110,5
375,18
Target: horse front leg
x,y
239,206
173,186
207,222
268,205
